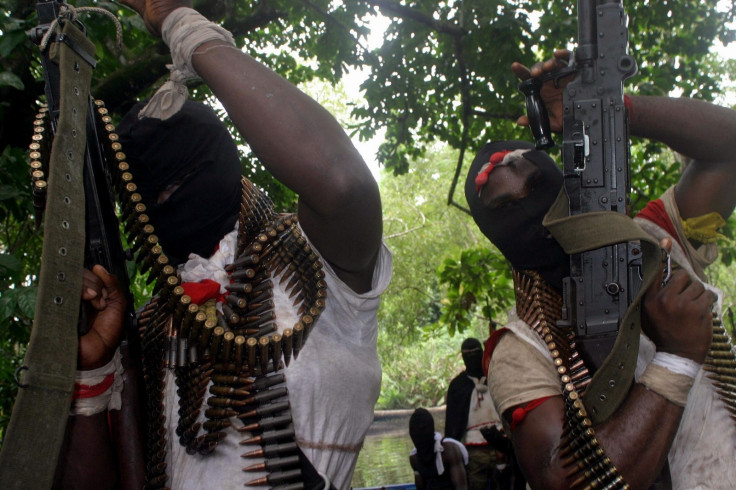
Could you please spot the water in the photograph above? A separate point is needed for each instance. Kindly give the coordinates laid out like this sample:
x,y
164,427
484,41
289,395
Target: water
x,y
384,459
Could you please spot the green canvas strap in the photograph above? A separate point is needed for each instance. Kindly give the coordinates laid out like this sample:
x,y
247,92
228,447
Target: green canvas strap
x,y
590,231
36,429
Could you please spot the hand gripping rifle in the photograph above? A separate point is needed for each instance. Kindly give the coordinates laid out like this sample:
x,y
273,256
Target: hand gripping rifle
x,y
80,230
590,218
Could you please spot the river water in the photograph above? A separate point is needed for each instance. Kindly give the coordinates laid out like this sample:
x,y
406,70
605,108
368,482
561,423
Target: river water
x,y
384,459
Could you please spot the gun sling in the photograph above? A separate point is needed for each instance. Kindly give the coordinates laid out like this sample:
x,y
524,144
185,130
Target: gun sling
x,y
589,231
36,429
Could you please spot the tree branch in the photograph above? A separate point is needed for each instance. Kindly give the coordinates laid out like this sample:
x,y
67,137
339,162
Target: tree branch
x,y
407,230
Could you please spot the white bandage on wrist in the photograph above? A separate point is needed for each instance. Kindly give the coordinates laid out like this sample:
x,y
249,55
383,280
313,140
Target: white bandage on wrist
x,y
670,376
99,389
676,364
183,30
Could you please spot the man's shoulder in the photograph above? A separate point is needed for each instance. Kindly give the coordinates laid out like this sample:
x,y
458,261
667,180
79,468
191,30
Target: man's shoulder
x,y
461,382
460,378
453,450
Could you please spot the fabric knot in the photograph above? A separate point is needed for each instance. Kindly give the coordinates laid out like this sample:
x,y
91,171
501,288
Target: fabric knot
x,y
184,30
704,228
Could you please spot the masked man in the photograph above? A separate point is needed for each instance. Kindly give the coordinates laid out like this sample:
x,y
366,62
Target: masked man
x,y
674,411
469,410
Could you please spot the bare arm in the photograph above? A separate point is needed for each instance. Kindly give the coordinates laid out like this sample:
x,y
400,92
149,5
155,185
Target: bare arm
x,y
301,144
452,458
702,131
87,458
637,439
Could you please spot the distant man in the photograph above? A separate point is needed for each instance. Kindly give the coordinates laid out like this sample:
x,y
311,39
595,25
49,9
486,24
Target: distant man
x,y
470,409
438,463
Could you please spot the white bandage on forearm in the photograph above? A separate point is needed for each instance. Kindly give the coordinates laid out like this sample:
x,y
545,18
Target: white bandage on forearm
x,y
98,389
183,30
670,376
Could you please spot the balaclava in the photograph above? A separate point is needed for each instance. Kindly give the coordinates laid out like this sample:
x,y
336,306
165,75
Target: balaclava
x,y
421,431
194,150
472,353
516,228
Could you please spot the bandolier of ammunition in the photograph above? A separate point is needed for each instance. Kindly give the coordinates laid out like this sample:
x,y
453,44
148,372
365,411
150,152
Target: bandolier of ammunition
x,y
238,353
720,366
540,307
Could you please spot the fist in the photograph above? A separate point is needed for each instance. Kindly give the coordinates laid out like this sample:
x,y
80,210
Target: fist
x,y
155,11
678,316
551,91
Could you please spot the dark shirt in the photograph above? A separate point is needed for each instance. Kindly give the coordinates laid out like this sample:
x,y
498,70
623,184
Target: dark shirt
x,y
458,406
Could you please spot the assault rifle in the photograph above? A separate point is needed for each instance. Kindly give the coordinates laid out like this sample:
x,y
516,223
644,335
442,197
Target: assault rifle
x,y
595,154
31,438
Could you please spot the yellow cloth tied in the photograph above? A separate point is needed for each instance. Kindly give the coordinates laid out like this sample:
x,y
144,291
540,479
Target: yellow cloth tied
x,y
704,229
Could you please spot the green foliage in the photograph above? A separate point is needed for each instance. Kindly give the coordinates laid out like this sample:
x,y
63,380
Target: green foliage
x,y
445,65
478,285
20,248
417,374
421,231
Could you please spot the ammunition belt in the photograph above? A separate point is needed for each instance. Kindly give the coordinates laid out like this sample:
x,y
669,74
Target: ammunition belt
x,y
38,161
540,307
720,366
237,353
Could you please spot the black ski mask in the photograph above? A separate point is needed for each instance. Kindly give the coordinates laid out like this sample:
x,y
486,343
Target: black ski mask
x,y
472,353
421,431
194,151
516,228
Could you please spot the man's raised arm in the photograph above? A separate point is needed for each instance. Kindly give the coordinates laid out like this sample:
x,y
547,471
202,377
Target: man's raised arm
x,y
299,142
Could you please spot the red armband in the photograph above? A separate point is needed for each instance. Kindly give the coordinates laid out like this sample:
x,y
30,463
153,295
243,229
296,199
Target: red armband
x,y
91,391
520,413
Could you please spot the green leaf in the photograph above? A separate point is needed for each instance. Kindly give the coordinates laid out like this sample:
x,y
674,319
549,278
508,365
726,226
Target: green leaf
x,y
27,302
9,79
10,40
10,263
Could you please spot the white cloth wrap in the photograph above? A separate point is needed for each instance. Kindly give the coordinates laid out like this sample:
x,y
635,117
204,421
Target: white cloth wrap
x,y
439,449
676,364
183,30
333,387
108,400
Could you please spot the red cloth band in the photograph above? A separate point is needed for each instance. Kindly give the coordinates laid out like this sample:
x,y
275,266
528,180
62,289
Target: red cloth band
x,y
202,291
520,413
482,177
490,346
91,391
656,213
